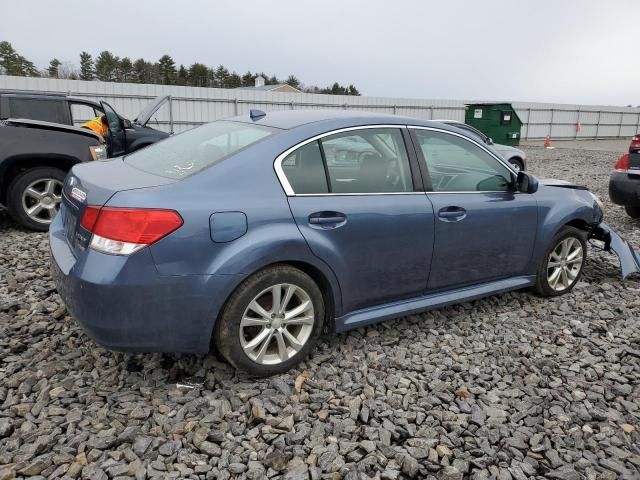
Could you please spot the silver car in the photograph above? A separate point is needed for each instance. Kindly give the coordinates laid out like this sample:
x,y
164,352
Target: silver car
x,y
514,156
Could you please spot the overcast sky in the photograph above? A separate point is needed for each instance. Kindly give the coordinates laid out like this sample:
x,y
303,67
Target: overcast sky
x,y
574,51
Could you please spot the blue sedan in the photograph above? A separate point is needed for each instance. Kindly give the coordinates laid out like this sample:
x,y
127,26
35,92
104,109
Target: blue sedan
x,y
259,232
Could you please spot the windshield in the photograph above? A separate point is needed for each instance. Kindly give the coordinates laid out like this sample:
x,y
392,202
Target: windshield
x,y
194,150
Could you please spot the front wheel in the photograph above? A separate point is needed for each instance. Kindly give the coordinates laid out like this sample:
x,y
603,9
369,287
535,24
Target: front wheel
x,y
517,164
34,197
560,268
271,321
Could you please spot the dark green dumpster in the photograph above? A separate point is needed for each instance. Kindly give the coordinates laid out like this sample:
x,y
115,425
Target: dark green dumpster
x,y
496,120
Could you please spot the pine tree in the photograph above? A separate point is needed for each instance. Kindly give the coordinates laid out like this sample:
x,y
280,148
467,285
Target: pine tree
x,y
234,81
52,70
8,59
293,81
248,79
221,76
86,66
352,90
167,70
142,71
183,76
11,63
125,70
198,75
107,66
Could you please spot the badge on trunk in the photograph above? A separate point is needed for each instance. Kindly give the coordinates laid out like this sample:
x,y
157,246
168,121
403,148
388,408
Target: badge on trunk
x,y
78,194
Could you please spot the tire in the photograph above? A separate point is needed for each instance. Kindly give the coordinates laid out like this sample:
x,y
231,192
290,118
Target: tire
x,y
517,163
570,267
240,327
632,210
44,181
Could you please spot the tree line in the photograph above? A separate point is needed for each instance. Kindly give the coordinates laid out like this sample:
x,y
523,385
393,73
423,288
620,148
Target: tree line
x,y
108,67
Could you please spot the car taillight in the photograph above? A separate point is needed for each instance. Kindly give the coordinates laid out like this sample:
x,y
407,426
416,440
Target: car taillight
x,y
622,165
123,231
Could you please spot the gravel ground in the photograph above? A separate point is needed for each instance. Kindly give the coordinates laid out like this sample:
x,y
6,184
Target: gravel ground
x,y
508,387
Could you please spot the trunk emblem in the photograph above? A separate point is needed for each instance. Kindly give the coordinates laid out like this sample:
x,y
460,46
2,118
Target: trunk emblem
x,y
78,194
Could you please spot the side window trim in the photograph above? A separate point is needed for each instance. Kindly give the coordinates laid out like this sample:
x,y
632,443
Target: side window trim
x,y
423,163
288,189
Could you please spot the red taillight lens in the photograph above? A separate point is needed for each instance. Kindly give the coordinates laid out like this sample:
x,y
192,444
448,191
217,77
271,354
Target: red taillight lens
x,y
622,165
141,226
89,217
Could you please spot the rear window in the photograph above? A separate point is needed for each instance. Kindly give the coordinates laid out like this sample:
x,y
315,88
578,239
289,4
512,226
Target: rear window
x,y
38,109
192,151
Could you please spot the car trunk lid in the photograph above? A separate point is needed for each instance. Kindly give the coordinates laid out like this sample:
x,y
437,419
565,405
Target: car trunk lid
x,y
94,184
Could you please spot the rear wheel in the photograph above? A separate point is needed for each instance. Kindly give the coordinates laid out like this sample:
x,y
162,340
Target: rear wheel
x,y
34,197
271,321
560,268
632,210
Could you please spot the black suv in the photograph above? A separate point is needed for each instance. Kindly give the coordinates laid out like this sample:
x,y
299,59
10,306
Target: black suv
x,y
124,136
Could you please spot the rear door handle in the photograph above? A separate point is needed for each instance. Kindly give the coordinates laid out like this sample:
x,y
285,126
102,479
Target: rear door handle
x,y
452,214
327,218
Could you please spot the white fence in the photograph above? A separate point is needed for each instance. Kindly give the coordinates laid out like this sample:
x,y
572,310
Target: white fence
x,y
192,106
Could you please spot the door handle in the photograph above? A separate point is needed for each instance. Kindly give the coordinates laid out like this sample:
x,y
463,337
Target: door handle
x,y
327,218
452,214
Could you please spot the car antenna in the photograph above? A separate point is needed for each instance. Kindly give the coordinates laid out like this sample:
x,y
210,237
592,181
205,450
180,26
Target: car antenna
x,y
256,114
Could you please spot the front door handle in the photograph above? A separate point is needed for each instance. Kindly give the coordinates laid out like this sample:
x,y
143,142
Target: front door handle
x,y
452,214
327,219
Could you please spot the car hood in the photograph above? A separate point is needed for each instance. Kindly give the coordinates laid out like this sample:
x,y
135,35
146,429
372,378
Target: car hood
x,y
508,149
145,115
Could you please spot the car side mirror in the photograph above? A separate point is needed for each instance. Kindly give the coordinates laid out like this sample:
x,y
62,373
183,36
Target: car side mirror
x,y
126,123
526,183
490,141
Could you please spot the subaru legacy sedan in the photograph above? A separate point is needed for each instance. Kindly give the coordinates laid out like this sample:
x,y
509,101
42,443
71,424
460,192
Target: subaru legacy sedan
x,y
257,233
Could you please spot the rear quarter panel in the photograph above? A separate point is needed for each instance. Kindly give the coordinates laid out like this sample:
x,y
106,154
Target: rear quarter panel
x,y
246,183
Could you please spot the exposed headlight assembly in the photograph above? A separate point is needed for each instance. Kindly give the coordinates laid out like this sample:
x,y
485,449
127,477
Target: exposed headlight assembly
x,y
99,152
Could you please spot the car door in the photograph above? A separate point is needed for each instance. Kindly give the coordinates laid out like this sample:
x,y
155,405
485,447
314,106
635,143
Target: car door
x,y
484,229
117,141
353,197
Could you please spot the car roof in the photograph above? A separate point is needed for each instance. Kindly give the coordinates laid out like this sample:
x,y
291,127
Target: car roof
x,y
289,119
48,96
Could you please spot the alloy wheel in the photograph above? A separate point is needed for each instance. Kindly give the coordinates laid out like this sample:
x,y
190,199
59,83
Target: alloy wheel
x,y
565,263
277,323
41,199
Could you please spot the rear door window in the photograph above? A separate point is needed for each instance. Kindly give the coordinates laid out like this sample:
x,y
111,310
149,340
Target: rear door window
x,y
45,110
360,161
372,160
194,150
305,171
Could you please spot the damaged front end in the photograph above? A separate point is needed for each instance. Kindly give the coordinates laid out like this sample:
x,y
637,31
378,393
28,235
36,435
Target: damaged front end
x,y
629,258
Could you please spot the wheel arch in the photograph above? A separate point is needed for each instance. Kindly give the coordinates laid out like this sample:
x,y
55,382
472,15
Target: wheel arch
x,y
13,166
323,277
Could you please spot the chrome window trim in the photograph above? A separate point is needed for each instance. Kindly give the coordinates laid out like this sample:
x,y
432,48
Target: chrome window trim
x,y
471,140
288,190
358,194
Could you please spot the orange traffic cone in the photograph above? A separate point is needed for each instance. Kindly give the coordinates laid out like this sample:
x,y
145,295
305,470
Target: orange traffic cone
x,y
547,142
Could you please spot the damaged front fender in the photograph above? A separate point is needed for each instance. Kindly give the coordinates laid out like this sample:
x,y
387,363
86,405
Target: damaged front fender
x,y
629,258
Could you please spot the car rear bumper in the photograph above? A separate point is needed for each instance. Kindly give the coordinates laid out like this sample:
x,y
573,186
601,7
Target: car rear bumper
x,y
624,189
124,304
